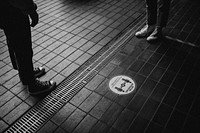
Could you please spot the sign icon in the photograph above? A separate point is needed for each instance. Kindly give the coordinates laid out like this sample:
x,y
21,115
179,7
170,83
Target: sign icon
x,y
122,84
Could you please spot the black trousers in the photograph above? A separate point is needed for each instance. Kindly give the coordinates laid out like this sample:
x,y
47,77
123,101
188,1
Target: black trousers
x,y
157,12
16,27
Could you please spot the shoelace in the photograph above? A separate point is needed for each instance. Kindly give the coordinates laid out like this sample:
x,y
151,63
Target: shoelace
x,y
41,83
37,69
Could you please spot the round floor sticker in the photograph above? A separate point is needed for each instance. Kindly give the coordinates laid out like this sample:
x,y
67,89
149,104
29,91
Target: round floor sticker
x,y
122,84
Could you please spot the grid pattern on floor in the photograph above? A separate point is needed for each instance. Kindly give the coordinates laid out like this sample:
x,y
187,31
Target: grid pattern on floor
x,y
167,76
36,117
68,34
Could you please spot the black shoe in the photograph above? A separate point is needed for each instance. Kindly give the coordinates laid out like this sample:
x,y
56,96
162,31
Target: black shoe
x,y
38,72
41,87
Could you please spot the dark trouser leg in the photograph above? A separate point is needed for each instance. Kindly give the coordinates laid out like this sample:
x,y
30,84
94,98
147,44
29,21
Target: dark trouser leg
x,y
12,57
18,34
151,7
163,15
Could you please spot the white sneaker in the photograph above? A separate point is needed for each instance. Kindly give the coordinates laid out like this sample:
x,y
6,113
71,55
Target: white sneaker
x,y
145,31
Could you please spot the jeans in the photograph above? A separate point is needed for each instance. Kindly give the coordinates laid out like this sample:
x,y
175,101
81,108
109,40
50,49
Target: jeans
x,y
158,16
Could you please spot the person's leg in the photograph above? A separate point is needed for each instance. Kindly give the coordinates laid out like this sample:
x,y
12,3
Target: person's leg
x,y
163,14
12,57
19,42
164,6
151,10
18,33
151,16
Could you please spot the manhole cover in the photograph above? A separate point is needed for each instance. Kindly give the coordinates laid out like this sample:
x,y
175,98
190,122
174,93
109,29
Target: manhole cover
x,y
122,84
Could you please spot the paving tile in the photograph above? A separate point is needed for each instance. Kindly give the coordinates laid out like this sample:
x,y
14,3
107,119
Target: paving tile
x,y
83,58
124,120
80,43
3,125
41,54
80,97
47,58
155,58
107,69
4,70
163,113
99,128
60,130
53,62
146,69
5,97
100,108
69,69
139,80
171,97
147,88
10,105
159,92
2,90
118,59
176,121
179,82
2,64
16,113
94,49
18,88
75,55
192,125
70,124
87,46
90,102
63,114
73,40
168,77
63,64
49,127
95,82
49,75
148,110
58,78
195,107
157,73
8,75
12,82
103,87
154,127
138,125
90,35
86,124
136,103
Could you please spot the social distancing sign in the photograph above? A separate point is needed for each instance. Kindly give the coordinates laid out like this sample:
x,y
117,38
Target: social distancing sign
x,y
122,84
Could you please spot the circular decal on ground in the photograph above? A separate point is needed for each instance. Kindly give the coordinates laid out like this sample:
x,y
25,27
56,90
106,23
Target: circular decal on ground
x,y
122,84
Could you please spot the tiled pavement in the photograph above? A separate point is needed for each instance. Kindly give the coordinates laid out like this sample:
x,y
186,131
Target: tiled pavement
x,y
71,32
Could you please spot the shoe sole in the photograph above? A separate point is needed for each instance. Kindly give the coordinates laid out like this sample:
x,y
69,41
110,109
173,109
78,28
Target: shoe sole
x,y
53,86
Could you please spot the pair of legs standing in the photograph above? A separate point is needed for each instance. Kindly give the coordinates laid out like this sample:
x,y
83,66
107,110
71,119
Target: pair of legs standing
x,y
16,27
157,12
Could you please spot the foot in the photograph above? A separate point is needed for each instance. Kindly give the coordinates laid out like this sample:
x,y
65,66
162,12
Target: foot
x,y
38,72
156,35
145,31
41,87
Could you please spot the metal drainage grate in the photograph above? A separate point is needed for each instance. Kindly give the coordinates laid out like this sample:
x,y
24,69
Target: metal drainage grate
x,y
37,116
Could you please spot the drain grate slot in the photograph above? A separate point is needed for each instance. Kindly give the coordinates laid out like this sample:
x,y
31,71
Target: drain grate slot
x,y
37,116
